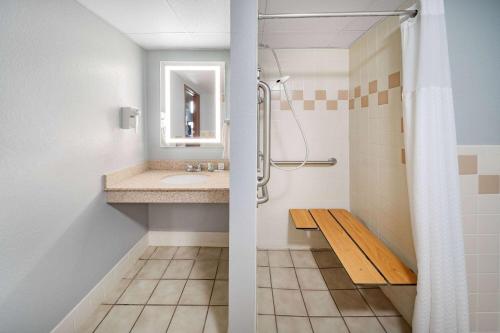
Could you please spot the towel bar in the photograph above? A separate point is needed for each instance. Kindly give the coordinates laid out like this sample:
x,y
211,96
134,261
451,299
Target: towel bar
x,y
329,162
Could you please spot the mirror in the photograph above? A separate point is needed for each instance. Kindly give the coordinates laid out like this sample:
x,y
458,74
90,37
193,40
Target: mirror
x,y
192,103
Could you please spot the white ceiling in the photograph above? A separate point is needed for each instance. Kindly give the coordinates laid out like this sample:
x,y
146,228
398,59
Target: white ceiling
x,y
168,24
318,32
204,24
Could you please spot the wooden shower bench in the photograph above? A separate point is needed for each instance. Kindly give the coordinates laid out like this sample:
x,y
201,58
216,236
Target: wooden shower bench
x,y
366,259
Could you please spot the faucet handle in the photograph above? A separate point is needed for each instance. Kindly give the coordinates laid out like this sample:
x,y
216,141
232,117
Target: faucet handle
x,y
189,167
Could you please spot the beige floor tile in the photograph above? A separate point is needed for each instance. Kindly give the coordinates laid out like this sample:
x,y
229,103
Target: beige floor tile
x,y
265,301
379,303
178,269
310,279
120,319
219,294
114,294
223,270
89,325
224,253
204,269
266,324
288,324
289,303
284,278
187,252
138,292
134,269
154,319
319,303
148,252
337,278
363,325
188,319
209,253
164,252
167,292
280,259
326,259
262,258
395,324
153,269
216,320
350,303
303,259
263,277
197,292
328,325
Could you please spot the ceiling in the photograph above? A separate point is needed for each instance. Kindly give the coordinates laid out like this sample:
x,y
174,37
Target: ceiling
x,y
168,24
204,24
318,32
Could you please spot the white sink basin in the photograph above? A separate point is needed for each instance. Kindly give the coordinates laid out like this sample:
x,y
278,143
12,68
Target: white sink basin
x,y
185,179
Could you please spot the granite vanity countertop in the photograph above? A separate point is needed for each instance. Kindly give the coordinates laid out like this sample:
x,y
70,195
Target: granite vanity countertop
x,y
150,180
143,184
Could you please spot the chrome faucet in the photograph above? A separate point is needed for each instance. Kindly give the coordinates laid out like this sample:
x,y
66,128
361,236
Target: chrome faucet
x,y
191,168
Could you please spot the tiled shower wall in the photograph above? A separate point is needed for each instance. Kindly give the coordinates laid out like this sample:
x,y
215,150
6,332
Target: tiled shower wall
x,y
378,189
479,168
318,86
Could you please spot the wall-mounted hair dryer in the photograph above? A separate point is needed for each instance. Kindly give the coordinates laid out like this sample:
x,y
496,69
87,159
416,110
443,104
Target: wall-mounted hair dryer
x,y
129,117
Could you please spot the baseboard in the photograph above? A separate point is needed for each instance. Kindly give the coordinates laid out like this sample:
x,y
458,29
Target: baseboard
x,y
86,307
178,238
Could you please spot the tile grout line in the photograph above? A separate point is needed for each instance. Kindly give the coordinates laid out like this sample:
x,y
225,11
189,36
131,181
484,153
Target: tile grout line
x,y
212,291
300,290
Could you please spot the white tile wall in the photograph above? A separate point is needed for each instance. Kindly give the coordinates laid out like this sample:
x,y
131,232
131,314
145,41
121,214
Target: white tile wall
x,y
327,135
481,222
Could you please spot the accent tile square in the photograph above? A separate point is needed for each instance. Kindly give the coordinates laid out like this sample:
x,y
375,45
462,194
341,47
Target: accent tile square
x,y
467,164
289,303
357,91
308,105
372,87
332,105
364,101
394,80
383,97
343,95
489,184
320,95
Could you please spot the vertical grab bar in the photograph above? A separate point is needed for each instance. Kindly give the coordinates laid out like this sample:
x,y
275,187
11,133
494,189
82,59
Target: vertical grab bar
x,y
266,143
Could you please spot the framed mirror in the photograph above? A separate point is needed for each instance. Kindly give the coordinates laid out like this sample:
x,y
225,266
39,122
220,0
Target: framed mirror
x,y
192,103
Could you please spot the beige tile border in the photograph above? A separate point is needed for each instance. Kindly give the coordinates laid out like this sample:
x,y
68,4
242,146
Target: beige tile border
x,y
489,184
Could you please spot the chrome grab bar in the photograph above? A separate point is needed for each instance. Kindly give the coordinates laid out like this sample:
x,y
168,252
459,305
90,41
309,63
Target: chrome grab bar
x,y
266,142
329,162
265,196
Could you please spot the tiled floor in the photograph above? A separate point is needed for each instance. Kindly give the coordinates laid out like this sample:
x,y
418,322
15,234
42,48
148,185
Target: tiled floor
x,y
309,291
170,289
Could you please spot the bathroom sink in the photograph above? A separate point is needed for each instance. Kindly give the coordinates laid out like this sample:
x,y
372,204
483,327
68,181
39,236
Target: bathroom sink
x,y
185,179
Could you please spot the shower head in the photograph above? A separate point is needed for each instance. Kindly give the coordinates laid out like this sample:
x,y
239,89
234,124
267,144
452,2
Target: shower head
x,y
283,79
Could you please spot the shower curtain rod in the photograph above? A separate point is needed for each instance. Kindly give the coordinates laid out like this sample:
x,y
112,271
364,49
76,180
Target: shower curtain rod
x,y
410,13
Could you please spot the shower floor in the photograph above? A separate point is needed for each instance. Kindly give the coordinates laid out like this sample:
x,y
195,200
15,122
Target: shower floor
x,y
310,291
170,289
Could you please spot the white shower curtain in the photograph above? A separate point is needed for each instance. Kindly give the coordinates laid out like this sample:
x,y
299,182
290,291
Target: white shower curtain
x,y
432,171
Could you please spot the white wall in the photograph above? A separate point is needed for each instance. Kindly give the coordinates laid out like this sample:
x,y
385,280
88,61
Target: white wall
x,y
327,135
155,152
64,74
